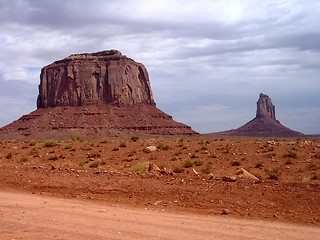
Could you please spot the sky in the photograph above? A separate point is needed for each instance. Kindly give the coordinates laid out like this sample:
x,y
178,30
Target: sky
x,y
208,60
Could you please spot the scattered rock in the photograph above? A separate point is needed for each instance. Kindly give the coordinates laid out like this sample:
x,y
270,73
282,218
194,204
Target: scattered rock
x,y
242,173
150,149
225,212
229,178
210,176
195,172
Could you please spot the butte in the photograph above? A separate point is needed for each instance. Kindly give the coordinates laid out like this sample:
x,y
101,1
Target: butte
x,y
94,95
264,124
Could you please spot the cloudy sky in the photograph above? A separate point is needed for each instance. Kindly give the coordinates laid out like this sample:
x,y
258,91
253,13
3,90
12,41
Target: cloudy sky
x,y
208,60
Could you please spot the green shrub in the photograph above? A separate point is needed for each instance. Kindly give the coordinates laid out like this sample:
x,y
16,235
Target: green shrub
x,y
270,154
134,138
187,163
94,155
94,165
9,155
177,169
52,157
50,144
197,162
236,163
291,154
274,173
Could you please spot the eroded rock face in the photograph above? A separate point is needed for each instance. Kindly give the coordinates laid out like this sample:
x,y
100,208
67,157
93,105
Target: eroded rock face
x,y
106,77
265,108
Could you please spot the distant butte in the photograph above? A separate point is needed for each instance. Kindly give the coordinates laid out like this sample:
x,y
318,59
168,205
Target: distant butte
x,y
94,94
264,124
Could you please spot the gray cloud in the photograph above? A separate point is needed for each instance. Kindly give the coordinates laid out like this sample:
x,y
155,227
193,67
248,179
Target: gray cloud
x,y
207,60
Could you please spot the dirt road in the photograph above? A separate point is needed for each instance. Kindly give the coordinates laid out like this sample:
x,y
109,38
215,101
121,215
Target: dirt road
x,y
27,216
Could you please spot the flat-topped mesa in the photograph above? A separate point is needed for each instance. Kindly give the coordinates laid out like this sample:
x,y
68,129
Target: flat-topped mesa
x,y
265,108
106,77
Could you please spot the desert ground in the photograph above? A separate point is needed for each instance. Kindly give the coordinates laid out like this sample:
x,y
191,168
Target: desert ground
x,y
195,177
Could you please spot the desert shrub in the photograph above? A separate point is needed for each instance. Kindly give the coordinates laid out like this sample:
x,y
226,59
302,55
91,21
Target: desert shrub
x,y
193,155
123,144
187,163
258,165
141,167
32,143
236,163
291,154
9,155
203,148
206,169
274,173
163,146
134,138
52,157
198,162
23,159
160,166
312,166
50,144
270,154
77,139
104,141
177,169
288,162
94,155
94,165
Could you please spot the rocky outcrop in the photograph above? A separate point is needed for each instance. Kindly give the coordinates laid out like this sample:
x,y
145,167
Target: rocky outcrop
x,y
106,77
94,95
264,124
265,108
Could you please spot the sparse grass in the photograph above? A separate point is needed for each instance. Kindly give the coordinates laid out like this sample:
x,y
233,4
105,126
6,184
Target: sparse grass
x,y
187,163
134,138
50,144
274,173
291,154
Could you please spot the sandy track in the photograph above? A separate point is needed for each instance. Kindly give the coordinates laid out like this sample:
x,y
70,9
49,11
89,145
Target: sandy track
x,y
27,216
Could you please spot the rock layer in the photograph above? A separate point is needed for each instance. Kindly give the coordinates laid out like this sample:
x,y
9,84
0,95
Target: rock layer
x,y
95,95
106,77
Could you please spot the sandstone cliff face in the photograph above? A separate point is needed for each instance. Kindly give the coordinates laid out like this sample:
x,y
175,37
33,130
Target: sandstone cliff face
x,y
265,108
106,77
264,124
